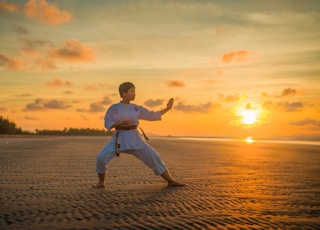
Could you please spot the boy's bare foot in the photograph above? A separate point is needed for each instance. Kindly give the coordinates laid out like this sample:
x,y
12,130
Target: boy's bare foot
x,y
176,183
98,185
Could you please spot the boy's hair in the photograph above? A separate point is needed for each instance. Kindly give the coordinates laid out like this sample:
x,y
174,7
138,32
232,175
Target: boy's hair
x,y
124,87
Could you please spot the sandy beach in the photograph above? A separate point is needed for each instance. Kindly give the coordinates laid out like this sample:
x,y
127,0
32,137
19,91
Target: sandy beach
x,y
45,183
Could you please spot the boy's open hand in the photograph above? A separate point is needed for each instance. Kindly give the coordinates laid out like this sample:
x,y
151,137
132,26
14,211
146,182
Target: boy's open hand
x,y
170,103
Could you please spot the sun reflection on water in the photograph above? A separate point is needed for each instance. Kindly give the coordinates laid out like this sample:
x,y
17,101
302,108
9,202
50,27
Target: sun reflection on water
x,y
249,140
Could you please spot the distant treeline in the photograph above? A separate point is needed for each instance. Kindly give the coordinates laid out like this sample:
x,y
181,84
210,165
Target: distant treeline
x,y
74,132
10,128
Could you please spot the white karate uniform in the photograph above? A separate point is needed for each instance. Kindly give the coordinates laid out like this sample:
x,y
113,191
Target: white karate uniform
x,y
130,140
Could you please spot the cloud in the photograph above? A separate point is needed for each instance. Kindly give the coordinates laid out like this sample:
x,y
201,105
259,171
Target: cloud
x,y
4,6
288,92
33,60
2,109
46,13
73,51
68,92
10,63
30,118
29,60
77,101
41,104
201,108
99,106
24,95
306,122
249,106
96,107
91,88
239,57
43,63
153,103
284,106
20,29
231,98
290,107
84,118
57,82
106,101
174,84
33,44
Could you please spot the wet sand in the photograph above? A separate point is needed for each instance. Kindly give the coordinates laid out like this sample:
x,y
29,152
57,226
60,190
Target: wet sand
x,y
45,183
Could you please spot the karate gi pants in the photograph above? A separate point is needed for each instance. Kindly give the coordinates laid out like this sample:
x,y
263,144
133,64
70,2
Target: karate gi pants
x,y
147,155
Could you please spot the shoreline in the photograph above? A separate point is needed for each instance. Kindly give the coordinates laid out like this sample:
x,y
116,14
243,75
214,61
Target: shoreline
x,y
251,140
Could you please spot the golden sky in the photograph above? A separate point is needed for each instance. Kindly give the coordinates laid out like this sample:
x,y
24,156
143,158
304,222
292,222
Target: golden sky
x,y
235,68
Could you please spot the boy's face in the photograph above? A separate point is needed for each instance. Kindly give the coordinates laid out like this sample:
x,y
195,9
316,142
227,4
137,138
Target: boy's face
x,y
130,95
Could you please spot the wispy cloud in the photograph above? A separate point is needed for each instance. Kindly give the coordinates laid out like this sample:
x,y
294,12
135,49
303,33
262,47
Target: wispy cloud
x,y
175,84
91,88
238,57
24,95
38,54
35,44
249,106
153,103
84,117
5,6
96,107
286,92
43,63
284,106
10,63
200,108
46,13
231,98
57,82
100,106
73,51
106,100
68,92
290,92
291,107
29,60
30,118
77,101
305,122
41,104
33,56
20,29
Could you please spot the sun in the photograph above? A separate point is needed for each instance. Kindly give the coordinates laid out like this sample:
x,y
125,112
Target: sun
x,y
249,117
249,114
